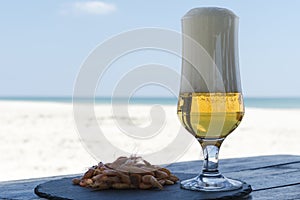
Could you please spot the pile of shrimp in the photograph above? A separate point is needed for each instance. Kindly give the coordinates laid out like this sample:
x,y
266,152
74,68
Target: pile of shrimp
x,y
126,173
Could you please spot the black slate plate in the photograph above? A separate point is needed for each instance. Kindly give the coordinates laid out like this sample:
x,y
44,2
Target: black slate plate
x,y
63,189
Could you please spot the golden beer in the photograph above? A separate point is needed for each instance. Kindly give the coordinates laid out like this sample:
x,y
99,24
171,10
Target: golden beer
x,y
210,115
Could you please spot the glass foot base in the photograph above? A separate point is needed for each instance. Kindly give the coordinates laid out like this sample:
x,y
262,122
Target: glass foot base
x,y
211,183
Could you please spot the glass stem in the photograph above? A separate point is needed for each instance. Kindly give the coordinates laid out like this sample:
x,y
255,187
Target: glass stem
x,y
211,155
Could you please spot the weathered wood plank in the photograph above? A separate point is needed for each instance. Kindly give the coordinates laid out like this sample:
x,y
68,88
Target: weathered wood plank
x,y
261,172
270,176
290,192
237,164
23,189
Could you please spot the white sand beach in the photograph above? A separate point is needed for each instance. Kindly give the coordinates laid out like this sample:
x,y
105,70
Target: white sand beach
x,y
40,138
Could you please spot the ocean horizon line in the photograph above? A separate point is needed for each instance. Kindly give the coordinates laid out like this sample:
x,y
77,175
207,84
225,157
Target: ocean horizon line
x,y
258,102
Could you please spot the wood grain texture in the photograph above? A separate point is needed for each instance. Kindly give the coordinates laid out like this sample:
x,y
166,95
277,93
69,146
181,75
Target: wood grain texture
x,y
271,177
291,192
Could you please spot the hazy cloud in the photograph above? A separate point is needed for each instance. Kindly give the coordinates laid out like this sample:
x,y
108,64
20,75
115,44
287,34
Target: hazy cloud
x,y
89,7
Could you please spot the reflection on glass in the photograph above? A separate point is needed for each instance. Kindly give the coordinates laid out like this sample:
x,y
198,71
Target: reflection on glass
x,y
210,105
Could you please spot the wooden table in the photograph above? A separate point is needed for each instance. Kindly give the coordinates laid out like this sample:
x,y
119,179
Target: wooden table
x,y
271,177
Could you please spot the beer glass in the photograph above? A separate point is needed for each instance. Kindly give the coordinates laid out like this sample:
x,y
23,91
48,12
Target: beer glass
x,y
210,104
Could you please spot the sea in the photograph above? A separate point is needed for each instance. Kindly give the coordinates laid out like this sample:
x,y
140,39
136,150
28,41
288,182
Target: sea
x,y
280,102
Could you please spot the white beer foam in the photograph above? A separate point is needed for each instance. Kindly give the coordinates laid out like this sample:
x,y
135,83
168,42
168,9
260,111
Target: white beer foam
x,y
216,30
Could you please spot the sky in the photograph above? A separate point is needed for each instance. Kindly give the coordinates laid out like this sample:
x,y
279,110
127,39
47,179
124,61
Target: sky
x,y
44,43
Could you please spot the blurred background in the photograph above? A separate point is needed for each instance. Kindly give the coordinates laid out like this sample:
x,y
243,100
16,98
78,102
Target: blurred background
x,y
44,43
